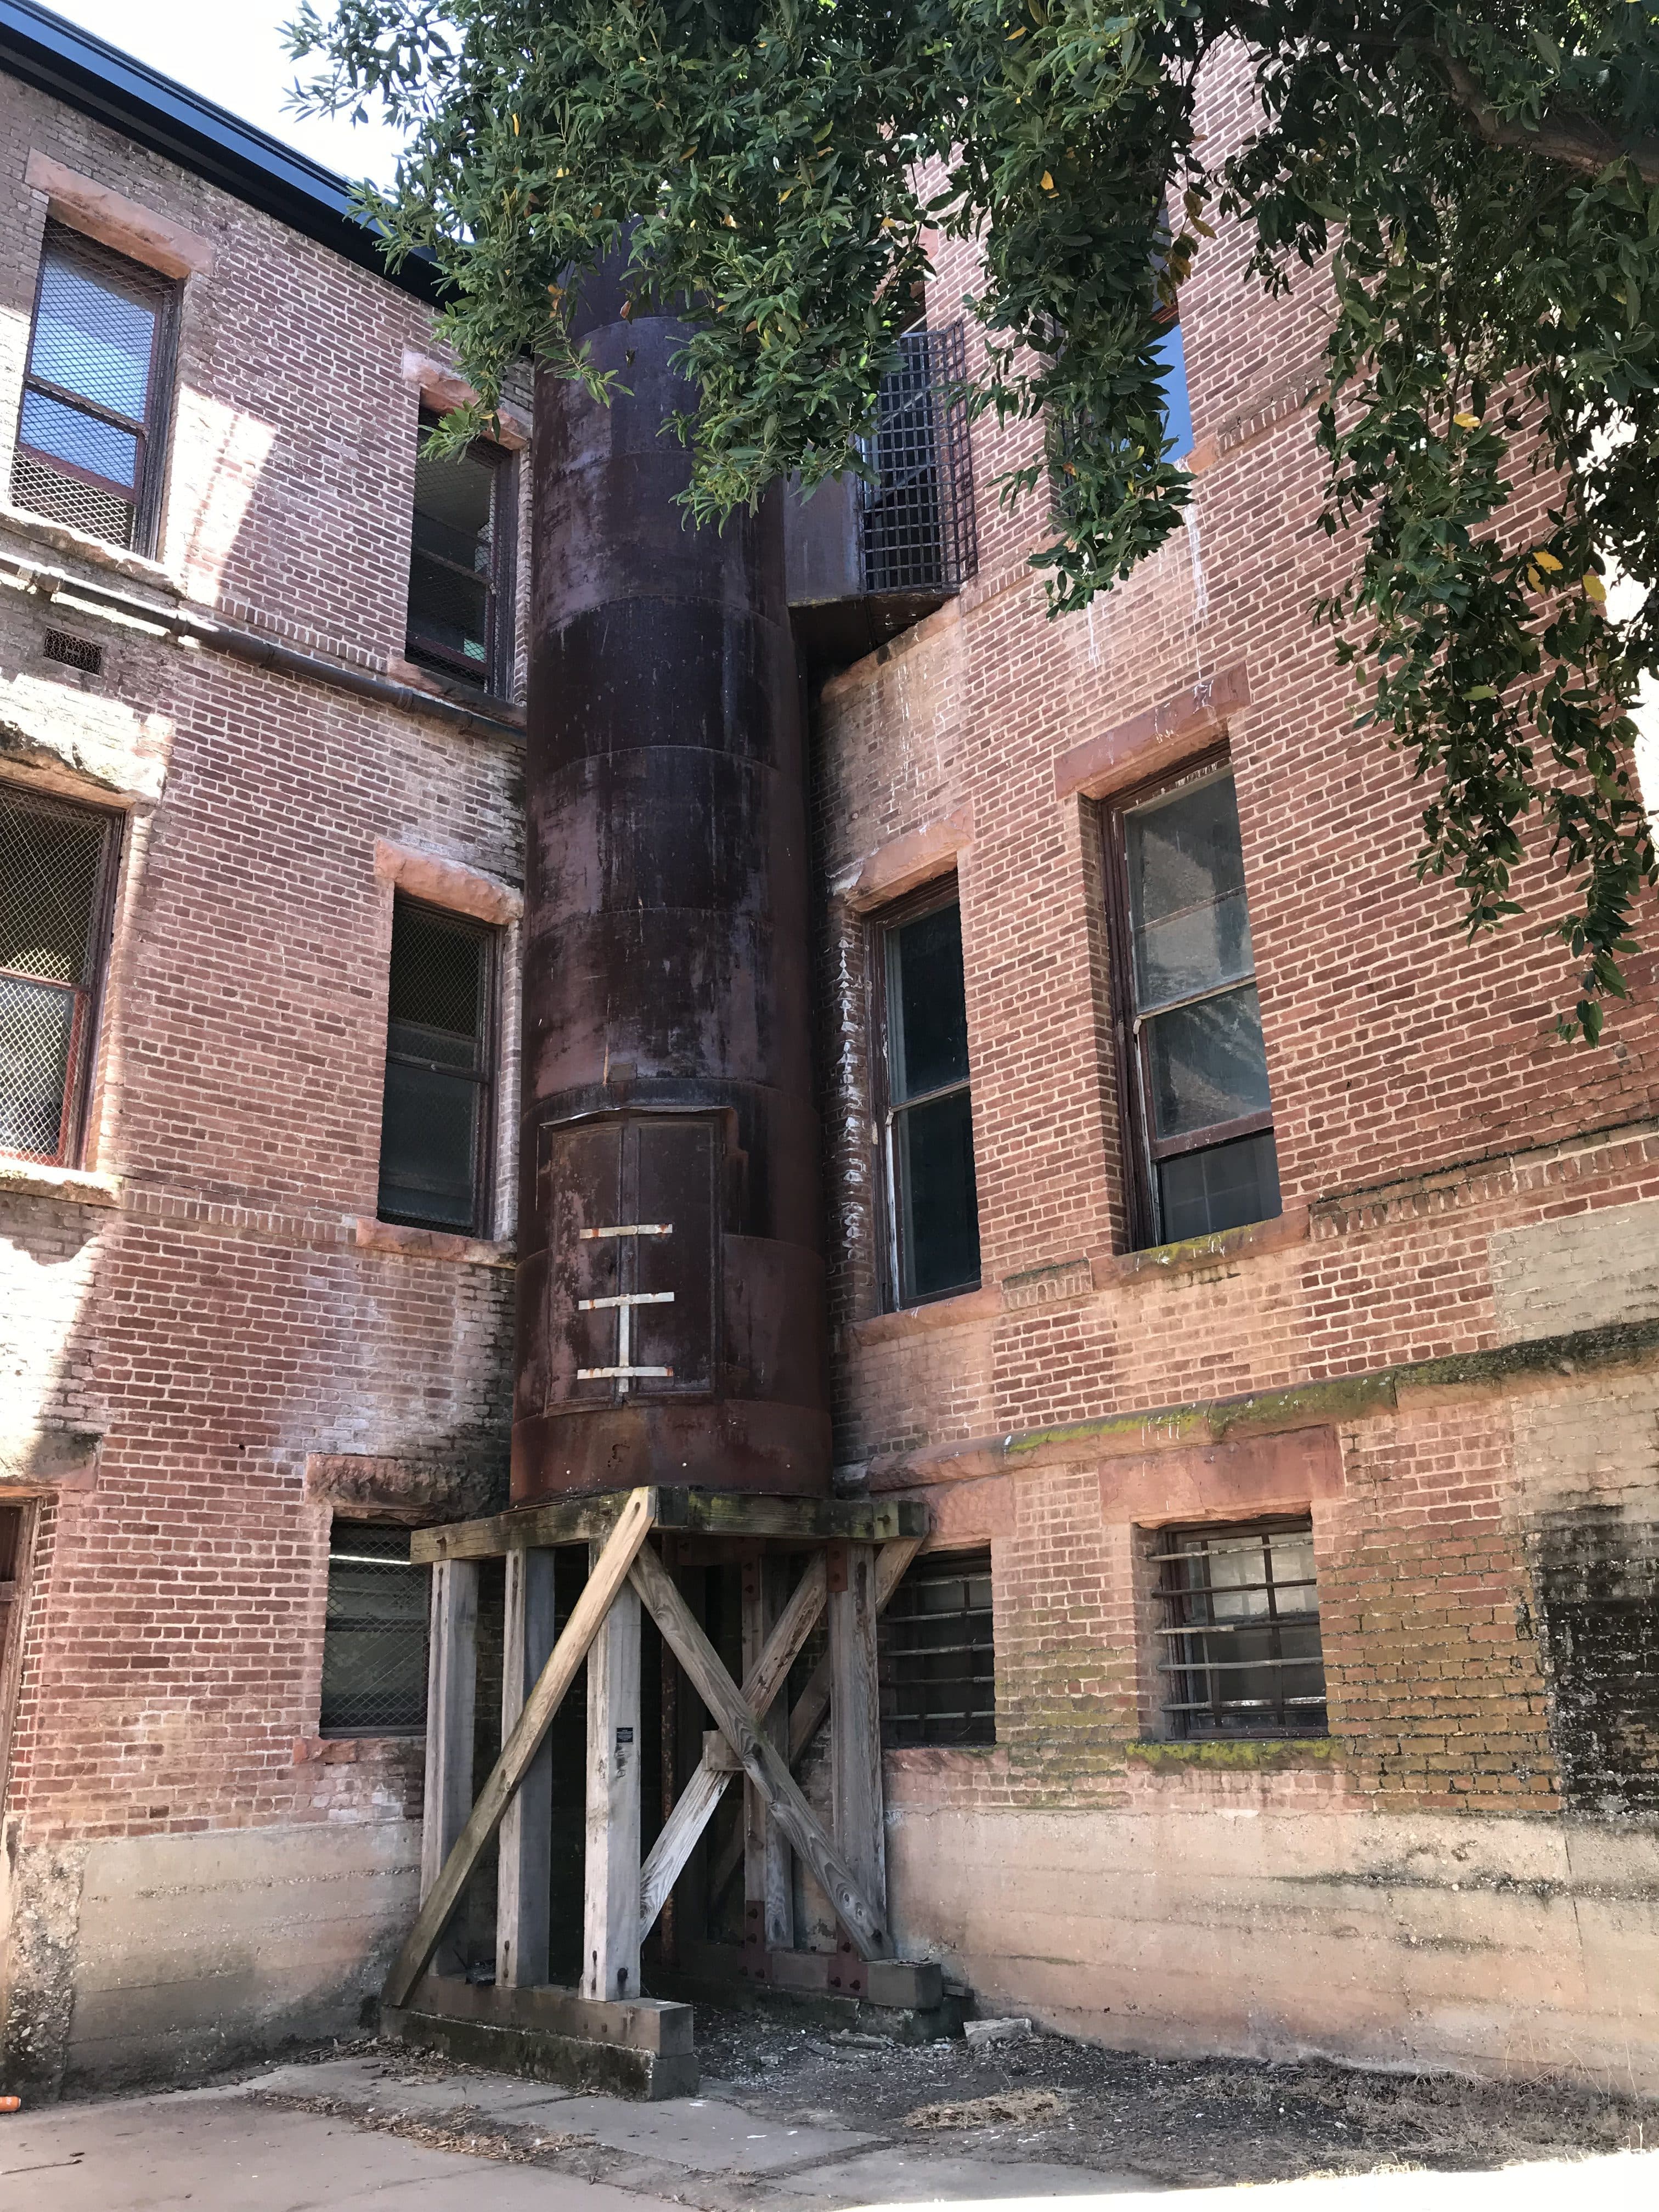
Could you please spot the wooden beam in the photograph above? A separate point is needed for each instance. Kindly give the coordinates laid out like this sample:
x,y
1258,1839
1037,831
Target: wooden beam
x,y
451,1681
761,1761
608,1577
695,1512
694,1807
524,1848
855,1727
769,1868
806,1717
611,1893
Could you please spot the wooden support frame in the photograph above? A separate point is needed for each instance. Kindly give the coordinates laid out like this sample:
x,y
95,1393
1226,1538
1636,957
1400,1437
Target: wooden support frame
x,y
631,1527
855,1792
769,1864
610,1896
524,1843
765,1766
696,1805
800,1522
451,1718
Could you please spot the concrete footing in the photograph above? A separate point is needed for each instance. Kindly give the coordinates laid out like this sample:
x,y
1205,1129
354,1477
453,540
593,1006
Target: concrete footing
x,y
641,2049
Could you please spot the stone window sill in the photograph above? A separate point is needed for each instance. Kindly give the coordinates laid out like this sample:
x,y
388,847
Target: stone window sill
x,y
76,1186
73,545
392,1237
1226,1246
982,1304
1262,1755
355,1750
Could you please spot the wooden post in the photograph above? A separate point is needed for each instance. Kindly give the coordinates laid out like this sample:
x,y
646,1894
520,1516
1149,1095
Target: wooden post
x,y
855,1725
524,1843
769,1871
452,1682
622,1546
611,1914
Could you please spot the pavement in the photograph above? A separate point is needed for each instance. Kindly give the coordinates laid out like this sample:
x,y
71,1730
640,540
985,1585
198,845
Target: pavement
x,y
370,2133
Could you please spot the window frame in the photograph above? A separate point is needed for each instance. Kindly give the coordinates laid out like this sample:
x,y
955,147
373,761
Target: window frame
x,y
495,679
1145,1152
881,928
484,1146
75,1114
1179,1726
144,495
339,1520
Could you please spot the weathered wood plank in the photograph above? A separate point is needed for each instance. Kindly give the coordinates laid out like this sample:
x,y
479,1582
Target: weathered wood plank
x,y
451,1712
763,1764
694,1807
807,1715
855,1727
768,1869
611,1897
609,1574
524,1847
705,1512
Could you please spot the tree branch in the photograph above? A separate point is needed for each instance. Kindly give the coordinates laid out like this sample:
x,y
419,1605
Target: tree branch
x,y
1579,140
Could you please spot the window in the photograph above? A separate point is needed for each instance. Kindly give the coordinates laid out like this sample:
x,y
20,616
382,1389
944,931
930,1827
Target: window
x,y
936,1659
92,433
459,603
56,877
436,1118
374,1634
1177,406
1194,1067
928,1124
1239,1634
919,530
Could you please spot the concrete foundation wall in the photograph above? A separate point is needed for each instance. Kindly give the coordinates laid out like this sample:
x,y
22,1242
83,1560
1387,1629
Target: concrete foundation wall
x,y
1268,1930
142,1957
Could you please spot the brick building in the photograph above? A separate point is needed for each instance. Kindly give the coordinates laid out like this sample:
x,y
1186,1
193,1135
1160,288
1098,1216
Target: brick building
x,y
1264,1303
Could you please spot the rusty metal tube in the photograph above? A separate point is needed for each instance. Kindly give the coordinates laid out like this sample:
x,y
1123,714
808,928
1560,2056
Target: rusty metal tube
x,y
671,1295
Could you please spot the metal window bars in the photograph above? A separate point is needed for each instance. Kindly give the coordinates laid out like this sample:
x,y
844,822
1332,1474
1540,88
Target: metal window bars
x,y
917,525
94,397
937,1663
55,872
1240,1645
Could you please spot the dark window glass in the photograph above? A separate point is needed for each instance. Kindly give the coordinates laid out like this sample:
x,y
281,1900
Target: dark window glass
x,y
374,1634
54,863
434,1122
90,430
1187,966
936,1657
930,1128
457,562
1241,1653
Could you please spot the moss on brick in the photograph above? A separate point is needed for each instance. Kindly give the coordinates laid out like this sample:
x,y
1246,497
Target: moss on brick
x,y
1259,1757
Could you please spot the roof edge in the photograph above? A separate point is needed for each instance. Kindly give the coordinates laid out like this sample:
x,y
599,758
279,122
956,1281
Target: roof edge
x,y
112,87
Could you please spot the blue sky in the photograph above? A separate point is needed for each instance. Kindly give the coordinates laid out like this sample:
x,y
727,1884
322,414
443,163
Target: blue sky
x,y
231,51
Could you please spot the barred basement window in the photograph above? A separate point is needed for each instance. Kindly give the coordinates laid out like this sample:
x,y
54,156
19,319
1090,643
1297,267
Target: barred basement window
x,y
56,880
92,433
374,1634
925,1104
440,1064
1239,1637
461,612
936,1658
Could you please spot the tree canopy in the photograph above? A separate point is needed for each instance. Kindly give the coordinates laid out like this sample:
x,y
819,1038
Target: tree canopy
x,y
1484,178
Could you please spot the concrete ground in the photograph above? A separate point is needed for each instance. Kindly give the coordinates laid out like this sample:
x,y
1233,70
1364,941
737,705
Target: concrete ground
x,y
379,2132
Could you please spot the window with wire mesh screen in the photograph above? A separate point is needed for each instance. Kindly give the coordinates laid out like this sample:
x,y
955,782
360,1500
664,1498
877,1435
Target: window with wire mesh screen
x,y
936,1659
918,525
435,1115
1238,1636
92,431
57,867
374,1634
460,564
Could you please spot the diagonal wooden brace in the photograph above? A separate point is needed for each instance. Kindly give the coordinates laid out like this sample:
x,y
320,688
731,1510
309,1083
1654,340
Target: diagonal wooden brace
x,y
806,1715
610,1572
694,1807
762,1762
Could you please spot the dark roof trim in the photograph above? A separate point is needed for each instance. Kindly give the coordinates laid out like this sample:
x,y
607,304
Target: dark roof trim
x,y
113,89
